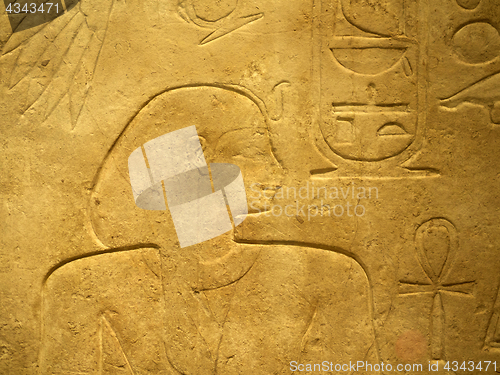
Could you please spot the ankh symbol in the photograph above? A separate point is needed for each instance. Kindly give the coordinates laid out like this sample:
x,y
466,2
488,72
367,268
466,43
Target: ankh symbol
x,y
436,243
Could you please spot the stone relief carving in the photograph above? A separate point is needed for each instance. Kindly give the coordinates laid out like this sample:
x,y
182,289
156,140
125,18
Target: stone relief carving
x,y
210,297
436,242
362,118
386,109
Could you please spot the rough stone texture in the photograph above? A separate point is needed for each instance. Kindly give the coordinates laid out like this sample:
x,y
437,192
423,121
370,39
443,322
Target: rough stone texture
x,y
386,109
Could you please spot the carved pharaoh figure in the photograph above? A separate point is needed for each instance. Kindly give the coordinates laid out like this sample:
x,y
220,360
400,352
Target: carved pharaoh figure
x,y
143,304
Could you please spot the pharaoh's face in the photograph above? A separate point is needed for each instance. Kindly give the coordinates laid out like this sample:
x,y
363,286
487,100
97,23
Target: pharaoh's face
x,y
251,150
231,129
